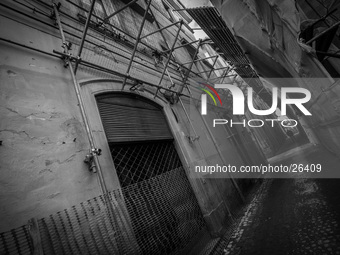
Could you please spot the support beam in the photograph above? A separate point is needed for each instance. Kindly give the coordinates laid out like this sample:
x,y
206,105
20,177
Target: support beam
x,y
200,59
323,32
329,54
183,45
159,30
215,69
96,166
169,57
136,45
190,67
223,76
212,68
118,11
88,20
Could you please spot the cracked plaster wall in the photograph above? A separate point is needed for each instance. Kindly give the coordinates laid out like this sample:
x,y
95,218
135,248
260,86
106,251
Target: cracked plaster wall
x,y
43,139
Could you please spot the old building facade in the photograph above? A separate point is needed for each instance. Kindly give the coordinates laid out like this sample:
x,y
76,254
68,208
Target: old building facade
x,y
110,166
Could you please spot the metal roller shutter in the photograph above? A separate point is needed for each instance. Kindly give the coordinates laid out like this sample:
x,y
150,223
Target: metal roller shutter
x,y
132,118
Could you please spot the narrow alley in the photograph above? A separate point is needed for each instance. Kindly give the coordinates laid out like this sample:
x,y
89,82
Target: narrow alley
x,y
291,216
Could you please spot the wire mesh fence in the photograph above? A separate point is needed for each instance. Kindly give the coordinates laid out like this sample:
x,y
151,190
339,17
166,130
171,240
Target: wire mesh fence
x,y
156,216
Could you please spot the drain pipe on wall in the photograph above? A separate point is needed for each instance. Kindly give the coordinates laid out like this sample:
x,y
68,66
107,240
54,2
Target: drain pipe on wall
x,y
94,152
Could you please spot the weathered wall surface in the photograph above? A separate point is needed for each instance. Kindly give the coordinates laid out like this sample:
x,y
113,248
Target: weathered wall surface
x,y
43,137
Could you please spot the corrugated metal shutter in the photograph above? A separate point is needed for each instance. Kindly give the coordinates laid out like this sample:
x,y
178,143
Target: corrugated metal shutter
x,y
128,118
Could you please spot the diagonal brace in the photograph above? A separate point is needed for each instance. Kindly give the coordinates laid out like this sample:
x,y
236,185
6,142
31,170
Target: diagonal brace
x,y
169,57
136,44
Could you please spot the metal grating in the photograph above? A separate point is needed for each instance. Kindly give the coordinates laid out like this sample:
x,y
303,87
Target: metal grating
x,y
141,161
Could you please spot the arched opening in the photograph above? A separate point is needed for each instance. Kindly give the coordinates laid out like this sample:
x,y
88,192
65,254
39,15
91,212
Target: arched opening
x,y
162,206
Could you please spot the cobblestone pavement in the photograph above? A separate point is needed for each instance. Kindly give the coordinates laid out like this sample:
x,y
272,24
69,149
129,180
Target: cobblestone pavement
x,y
292,216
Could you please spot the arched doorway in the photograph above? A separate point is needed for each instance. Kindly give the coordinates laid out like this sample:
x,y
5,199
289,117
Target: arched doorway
x,y
162,207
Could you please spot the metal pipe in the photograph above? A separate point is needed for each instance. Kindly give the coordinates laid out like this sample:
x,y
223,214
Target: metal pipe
x,y
215,69
118,11
329,54
200,59
212,68
188,117
88,20
190,67
97,67
158,30
80,103
183,45
323,33
136,44
168,59
223,76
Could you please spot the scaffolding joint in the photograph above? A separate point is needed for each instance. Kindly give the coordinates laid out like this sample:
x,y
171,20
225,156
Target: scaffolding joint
x,y
89,159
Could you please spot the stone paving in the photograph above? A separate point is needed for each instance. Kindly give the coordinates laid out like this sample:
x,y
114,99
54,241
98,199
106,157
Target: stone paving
x,y
292,216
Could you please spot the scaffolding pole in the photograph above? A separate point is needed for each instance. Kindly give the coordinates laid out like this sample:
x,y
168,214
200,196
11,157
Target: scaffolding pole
x,y
212,68
136,45
118,11
323,33
215,69
88,20
159,30
183,45
197,60
190,67
96,166
169,57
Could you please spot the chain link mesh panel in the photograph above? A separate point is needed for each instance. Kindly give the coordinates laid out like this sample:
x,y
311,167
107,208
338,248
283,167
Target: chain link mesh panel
x,y
141,161
155,216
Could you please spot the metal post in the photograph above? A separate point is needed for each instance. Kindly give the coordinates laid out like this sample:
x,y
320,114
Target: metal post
x,y
183,45
329,54
81,104
159,30
88,20
190,67
136,44
212,68
168,59
215,69
118,11
200,59
323,33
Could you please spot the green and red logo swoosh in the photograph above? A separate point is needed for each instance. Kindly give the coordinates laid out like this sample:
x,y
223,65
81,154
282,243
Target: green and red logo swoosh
x,y
209,93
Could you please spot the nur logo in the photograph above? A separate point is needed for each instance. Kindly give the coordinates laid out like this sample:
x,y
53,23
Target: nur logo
x,y
239,99
204,97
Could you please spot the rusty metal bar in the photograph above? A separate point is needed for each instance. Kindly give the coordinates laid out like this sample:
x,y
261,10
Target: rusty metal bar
x,y
323,33
212,68
88,20
118,11
136,44
169,57
159,30
183,45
